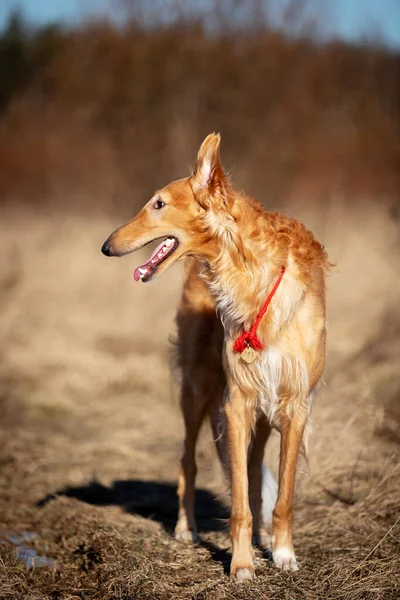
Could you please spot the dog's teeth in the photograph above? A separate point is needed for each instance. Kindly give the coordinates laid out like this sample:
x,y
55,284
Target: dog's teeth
x,y
142,271
169,242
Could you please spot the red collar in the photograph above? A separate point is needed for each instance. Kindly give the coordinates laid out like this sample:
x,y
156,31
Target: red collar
x,y
250,338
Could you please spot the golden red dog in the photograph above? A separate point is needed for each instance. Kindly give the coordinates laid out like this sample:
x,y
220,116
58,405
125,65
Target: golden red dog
x,y
237,254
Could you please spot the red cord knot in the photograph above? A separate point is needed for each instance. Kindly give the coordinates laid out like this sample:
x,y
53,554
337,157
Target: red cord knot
x,y
250,338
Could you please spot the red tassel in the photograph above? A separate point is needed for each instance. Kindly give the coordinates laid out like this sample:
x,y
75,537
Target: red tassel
x,y
250,338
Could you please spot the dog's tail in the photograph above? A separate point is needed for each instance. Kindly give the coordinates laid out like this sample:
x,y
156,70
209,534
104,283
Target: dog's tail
x,y
269,494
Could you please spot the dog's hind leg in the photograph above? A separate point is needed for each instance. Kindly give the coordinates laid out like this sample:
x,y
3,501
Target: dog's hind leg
x,y
260,482
200,338
194,408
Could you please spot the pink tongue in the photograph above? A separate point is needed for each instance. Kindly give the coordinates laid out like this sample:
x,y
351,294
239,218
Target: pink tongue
x,y
147,265
136,275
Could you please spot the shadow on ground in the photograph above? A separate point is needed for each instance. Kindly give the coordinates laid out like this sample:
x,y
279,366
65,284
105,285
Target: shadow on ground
x,y
150,499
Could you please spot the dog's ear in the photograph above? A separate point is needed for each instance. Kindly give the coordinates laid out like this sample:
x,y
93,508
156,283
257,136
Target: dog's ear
x,y
209,180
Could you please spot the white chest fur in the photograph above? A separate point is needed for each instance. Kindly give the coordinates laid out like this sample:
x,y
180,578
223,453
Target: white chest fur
x,y
273,377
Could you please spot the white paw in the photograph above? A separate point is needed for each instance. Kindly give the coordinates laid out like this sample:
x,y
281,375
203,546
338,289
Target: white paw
x,y
285,559
242,575
185,535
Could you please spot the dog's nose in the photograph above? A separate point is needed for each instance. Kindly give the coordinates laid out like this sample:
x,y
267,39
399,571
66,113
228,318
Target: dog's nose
x,y
106,248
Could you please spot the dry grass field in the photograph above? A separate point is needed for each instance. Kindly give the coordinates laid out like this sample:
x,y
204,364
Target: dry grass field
x,y
93,117
91,434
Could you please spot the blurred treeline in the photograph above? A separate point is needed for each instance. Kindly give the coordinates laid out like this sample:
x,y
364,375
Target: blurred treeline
x,y
100,114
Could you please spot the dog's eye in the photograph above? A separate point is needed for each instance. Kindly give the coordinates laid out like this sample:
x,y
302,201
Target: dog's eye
x,y
158,204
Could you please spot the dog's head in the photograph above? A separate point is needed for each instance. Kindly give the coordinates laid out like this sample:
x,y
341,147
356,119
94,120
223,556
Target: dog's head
x,y
181,216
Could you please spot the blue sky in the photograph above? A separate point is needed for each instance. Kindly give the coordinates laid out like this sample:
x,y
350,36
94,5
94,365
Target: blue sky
x,y
348,18
355,17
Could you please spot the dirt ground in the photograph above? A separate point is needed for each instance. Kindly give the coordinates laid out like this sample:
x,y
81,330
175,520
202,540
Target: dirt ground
x,y
90,432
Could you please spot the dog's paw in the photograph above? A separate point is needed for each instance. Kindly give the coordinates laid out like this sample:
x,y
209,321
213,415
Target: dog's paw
x,y
242,575
285,559
185,535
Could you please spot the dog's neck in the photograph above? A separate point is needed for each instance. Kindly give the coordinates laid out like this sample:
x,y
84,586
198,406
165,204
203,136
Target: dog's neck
x,y
246,263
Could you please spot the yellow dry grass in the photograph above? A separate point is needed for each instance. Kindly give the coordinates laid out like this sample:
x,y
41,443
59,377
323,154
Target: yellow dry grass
x,y
90,412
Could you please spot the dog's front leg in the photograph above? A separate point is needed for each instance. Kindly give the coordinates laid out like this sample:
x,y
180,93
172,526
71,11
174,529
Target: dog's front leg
x,y
292,430
239,420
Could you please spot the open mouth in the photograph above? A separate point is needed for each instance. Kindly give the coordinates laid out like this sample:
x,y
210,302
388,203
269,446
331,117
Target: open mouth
x,y
162,252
